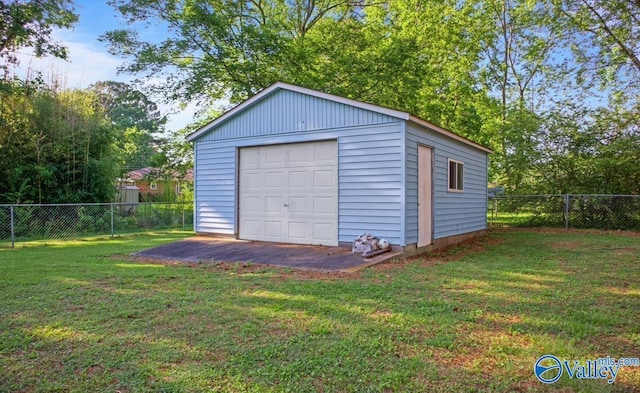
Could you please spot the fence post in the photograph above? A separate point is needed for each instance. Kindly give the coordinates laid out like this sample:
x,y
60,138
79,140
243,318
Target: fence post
x,y
566,211
112,220
183,216
13,228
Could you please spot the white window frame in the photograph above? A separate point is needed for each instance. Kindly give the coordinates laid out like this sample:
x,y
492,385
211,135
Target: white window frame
x,y
459,181
153,185
178,188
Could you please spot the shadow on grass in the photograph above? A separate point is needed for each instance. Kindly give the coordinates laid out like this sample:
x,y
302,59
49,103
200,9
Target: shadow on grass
x,y
477,322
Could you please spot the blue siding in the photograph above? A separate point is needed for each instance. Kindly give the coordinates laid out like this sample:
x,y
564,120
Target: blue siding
x,y
454,213
370,162
369,182
287,111
215,174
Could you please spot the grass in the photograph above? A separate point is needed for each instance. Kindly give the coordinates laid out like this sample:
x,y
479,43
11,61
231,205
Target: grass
x,y
526,219
81,316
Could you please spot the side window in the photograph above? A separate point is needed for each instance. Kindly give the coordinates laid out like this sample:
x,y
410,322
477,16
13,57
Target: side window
x,y
153,185
456,176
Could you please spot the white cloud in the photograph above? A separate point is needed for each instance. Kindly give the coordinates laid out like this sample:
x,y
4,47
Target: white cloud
x,y
89,63
180,118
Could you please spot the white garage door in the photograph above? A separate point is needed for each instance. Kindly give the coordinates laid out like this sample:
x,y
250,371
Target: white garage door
x,y
289,193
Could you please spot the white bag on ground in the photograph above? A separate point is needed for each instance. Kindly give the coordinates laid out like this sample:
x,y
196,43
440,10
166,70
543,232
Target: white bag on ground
x,y
364,244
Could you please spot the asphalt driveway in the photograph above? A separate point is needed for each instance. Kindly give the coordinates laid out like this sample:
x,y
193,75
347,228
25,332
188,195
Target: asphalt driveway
x,y
208,249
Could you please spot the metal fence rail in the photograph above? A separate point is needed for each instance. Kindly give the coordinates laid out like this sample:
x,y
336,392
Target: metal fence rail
x,y
67,221
617,212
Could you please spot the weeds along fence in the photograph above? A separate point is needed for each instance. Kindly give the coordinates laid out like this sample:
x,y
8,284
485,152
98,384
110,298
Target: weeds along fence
x,y
68,221
610,212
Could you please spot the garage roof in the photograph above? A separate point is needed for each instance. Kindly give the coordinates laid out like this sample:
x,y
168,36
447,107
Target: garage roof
x,y
330,97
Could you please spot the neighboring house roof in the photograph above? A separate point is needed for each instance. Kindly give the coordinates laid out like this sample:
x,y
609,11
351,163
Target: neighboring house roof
x,y
149,173
347,101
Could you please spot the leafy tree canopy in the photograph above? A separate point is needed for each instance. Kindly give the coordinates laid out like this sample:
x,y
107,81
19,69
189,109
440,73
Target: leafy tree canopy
x,y
127,107
30,24
136,120
497,71
55,146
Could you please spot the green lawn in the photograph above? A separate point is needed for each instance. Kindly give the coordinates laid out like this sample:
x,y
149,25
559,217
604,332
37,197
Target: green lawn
x,y
526,219
80,316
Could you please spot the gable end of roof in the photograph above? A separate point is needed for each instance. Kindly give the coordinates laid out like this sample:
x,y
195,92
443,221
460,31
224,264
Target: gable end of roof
x,y
298,89
268,91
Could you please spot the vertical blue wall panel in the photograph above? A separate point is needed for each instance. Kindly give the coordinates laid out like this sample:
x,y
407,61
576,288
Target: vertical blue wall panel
x,y
287,111
215,174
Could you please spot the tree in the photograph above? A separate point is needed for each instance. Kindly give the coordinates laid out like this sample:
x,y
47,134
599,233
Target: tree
x,y
519,49
606,39
30,24
447,39
498,71
127,107
590,151
137,122
55,146
176,154
370,51
223,48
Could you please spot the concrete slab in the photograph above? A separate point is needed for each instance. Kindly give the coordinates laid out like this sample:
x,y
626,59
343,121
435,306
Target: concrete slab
x,y
208,249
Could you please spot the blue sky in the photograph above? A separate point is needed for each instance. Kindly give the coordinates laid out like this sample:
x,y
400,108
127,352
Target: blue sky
x,y
89,60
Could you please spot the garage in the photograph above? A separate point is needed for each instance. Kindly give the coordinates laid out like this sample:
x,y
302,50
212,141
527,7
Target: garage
x,y
295,165
288,193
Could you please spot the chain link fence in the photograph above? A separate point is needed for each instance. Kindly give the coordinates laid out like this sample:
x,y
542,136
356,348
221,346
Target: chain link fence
x,y
68,221
610,212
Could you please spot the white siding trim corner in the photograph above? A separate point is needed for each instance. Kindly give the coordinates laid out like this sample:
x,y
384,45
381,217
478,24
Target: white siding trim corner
x,y
403,181
195,190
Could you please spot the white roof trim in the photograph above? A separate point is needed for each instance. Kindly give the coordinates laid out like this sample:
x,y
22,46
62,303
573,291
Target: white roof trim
x,y
330,97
